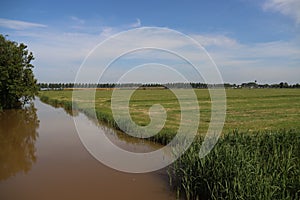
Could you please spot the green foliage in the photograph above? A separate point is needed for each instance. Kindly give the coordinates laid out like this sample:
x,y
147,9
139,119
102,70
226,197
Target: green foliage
x,y
262,165
17,82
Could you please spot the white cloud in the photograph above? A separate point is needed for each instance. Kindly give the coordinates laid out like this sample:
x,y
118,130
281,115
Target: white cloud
x,y
136,24
78,20
59,54
286,7
19,25
215,40
266,62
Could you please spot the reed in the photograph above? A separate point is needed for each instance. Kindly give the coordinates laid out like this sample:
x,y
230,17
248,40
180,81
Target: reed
x,y
261,165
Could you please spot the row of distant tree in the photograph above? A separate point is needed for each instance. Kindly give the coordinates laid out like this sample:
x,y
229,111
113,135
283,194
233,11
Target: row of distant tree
x,y
256,85
57,86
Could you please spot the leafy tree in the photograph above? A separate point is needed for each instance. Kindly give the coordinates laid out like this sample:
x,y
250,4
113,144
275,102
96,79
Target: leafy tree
x,y
17,82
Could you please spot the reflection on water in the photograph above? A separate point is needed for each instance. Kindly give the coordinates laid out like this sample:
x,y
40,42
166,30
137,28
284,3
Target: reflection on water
x,y
64,169
18,133
121,139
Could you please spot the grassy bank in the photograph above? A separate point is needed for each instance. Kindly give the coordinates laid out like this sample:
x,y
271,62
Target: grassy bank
x,y
253,162
261,165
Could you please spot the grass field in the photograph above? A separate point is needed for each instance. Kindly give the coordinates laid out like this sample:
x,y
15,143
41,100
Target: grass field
x,y
247,109
258,156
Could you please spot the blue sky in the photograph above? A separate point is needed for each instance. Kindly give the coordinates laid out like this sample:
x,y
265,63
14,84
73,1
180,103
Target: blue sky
x,y
248,39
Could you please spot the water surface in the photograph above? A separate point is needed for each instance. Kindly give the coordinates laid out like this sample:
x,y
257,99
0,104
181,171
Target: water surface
x,y
41,157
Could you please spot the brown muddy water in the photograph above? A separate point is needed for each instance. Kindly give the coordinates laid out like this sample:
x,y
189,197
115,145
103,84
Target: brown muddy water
x,y
41,157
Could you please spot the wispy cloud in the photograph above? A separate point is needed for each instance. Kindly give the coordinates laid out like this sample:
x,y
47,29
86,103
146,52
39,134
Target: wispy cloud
x,y
286,7
215,40
266,62
19,25
136,24
78,20
60,53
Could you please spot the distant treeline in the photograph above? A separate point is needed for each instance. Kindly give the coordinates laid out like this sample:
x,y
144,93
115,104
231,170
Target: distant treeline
x,y
57,86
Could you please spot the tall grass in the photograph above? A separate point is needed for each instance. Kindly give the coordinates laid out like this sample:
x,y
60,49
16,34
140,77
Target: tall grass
x,y
262,165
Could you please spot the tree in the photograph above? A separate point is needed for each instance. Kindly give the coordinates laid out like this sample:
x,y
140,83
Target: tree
x,y
17,82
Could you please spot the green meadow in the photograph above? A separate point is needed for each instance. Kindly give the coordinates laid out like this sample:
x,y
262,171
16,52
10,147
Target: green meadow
x,y
247,109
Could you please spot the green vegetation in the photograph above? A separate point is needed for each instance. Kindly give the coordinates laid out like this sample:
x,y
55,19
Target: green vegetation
x,y
17,82
247,109
195,85
261,165
257,157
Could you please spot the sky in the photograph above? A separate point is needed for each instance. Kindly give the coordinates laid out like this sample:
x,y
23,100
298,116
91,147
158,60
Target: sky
x,y
247,39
